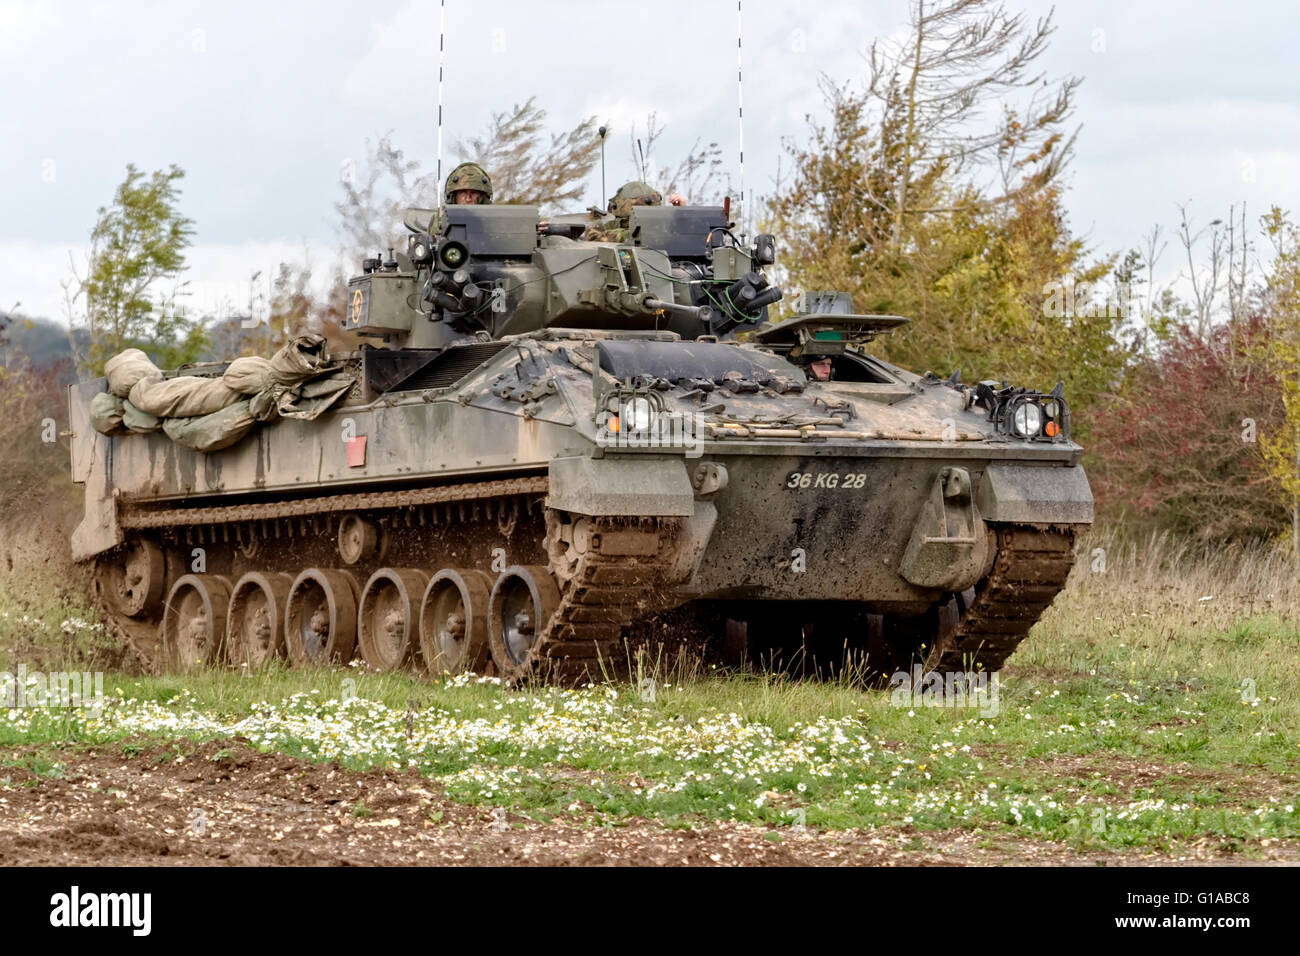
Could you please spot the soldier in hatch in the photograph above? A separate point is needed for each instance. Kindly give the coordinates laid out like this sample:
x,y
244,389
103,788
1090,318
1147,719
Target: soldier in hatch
x,y
818,368
620,208
467,185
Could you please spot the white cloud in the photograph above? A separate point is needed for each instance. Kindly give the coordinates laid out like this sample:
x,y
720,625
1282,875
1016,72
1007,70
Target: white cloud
x,y
218,274
23,21
1176,108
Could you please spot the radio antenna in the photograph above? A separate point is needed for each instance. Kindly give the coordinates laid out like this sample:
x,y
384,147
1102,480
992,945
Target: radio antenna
x,y
442,30
740,116
602,200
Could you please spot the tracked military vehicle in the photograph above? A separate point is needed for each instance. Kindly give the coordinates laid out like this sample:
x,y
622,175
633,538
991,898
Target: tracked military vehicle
x,y
550,442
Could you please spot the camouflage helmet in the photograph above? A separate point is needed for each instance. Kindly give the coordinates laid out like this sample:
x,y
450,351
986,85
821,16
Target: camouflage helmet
x,y
468,176
633,194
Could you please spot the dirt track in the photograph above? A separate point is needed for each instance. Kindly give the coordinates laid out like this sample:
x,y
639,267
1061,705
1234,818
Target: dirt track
x,y
226,803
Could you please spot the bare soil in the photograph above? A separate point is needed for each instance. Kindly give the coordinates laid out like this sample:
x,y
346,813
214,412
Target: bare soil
x,y
225,803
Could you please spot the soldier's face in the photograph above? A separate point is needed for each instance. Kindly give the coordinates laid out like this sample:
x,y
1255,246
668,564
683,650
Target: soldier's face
x,y
466,197
821,369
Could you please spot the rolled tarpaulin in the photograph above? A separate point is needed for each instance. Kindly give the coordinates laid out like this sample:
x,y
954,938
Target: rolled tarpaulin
x,y
212,432
185,396
126,368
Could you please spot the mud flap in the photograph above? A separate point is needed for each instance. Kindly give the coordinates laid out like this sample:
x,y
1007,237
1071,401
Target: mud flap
x,y
635,486
1035,494
950,545
98,530
691,543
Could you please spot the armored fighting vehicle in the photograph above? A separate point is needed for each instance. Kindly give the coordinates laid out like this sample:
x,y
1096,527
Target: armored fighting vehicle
x,y
550,441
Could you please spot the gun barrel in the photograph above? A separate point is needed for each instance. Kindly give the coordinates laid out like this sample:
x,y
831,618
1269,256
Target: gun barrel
x,y
701,312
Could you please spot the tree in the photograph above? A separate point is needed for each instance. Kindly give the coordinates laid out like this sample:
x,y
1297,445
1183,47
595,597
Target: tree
x,y
280,307
1281,296
132,285
698,177
973,270
913,145
930,88
525,169
1181,446
370,212
528,169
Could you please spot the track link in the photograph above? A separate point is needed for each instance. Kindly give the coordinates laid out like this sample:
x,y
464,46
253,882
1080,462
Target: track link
x,y
165,517
621,578
246,524
139,636
982,627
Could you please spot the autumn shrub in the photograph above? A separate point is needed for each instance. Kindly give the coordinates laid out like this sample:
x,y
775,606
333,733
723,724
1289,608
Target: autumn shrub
x,y
1178,447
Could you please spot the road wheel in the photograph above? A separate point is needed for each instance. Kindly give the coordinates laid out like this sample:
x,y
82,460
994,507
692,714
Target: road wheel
x,y
255,622
136,579
194,621
523,600
454,622
320,617
387,616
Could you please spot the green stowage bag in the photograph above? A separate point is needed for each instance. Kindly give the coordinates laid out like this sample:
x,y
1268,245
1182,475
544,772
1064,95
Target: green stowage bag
x,y
212,432
138,422
106,413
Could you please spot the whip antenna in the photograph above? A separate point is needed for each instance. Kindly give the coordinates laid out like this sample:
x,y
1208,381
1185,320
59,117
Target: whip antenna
x,y
740,115
442,30
601,200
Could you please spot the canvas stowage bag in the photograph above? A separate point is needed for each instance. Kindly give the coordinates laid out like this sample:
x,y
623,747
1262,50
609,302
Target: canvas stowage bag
x,y
142,423
300,358
248,375
212,432
106,413
185,396
126,368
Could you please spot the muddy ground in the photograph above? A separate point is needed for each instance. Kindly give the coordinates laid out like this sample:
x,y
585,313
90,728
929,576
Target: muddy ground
x,y
224,803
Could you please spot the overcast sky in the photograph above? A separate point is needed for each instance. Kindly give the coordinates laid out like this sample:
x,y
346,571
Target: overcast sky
x,y
263,104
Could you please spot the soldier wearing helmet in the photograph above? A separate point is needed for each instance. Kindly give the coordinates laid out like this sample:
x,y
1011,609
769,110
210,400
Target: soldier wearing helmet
x,y
615,229
468,184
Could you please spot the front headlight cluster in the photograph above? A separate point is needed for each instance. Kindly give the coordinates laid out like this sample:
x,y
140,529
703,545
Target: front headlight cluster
x,y
1020,412
630,411
636,414
1036,417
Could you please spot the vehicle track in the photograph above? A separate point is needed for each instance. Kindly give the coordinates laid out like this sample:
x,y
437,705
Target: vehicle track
x,y
623,575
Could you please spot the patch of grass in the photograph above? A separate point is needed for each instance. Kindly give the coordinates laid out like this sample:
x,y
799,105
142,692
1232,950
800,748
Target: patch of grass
x,y
1138,714
44,625
42,763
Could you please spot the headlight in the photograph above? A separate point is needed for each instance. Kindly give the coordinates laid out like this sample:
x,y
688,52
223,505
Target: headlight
x,y
636,415
1027,420
453,255
420,249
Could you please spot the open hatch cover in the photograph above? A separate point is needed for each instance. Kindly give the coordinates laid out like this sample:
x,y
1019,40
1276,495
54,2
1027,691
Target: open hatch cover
x,y
827,327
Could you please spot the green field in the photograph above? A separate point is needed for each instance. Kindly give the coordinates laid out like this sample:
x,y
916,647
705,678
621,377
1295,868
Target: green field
x,y
1153,707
